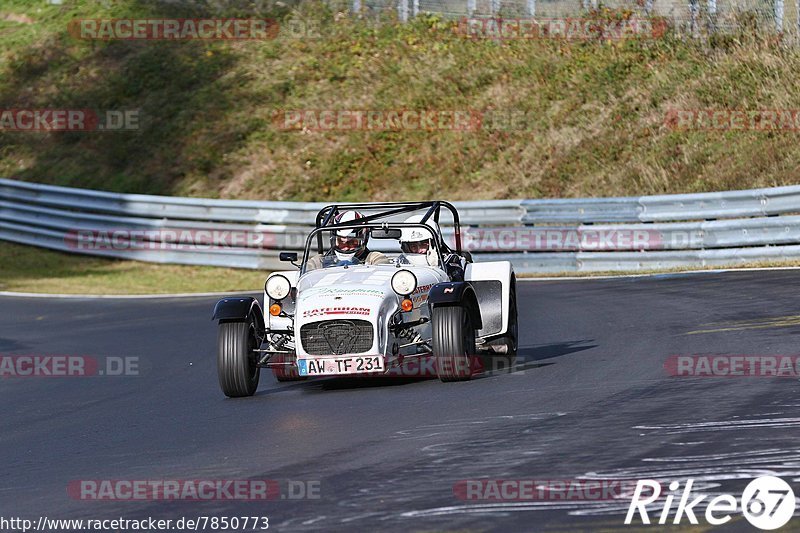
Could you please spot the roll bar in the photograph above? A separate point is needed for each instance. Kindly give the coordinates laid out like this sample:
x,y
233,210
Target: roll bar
x,y
328,213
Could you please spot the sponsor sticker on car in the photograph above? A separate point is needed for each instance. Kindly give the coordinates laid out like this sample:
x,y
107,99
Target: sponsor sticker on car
x,y
344,310
350,293
348,364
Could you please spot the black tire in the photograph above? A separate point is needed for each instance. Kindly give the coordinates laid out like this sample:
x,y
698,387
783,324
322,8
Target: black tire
x,y
236,358
284,372
453,343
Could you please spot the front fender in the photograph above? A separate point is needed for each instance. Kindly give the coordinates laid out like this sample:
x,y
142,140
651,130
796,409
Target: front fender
x,y
456,293
239,310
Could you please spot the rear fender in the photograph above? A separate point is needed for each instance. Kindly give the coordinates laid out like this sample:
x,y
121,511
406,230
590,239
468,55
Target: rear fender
x,y
452,293
491,281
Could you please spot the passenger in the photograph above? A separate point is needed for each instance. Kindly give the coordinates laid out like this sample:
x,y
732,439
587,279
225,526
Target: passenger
x,y
416,243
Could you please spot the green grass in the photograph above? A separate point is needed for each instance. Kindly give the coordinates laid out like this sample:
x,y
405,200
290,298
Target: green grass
x,y
595,110
28,269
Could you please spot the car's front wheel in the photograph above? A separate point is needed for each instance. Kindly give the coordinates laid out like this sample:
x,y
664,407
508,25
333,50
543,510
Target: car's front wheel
x,y
236,358
453,342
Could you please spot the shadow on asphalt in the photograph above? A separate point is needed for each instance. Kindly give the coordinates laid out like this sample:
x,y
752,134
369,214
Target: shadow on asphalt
x,y
10,345
548,351
528,358
533,357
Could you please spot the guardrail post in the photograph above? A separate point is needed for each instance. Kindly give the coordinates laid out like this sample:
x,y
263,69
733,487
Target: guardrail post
x,y
778,8
712,15
694,9
402,10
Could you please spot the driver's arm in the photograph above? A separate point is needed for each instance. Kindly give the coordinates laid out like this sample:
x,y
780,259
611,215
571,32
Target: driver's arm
x,y
376,258
455,266
314,262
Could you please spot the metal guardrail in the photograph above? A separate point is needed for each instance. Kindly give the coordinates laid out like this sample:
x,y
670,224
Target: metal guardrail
x,y
665,208
176,208
693,17
606,234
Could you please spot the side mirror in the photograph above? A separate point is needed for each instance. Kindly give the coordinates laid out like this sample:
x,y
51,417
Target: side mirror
x,y
290,257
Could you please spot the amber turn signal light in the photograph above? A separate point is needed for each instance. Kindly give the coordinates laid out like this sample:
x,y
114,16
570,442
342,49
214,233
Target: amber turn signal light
x,y
275,309
406,305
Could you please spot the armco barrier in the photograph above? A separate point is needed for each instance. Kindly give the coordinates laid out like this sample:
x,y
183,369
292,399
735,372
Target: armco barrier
x,y
685,230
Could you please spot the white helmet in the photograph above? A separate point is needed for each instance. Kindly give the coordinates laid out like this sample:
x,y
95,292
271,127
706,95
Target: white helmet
x,y
349,243
416,242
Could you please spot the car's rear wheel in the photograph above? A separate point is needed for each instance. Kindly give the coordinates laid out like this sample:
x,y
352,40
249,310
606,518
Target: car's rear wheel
x,y
283,371
236,358
453,342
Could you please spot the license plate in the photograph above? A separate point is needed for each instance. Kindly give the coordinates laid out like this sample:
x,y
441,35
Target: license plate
x,y
331,366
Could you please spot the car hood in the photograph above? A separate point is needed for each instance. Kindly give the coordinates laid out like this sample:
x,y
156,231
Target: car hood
x,y
353,292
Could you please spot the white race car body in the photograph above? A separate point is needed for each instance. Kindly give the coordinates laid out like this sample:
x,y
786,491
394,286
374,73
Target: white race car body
x,y
346,310
344,314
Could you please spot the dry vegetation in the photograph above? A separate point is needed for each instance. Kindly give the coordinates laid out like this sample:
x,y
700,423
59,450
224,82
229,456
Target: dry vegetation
x,y
594,110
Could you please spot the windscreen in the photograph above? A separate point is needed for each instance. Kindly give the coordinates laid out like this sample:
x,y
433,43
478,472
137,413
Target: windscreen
x,y
374,244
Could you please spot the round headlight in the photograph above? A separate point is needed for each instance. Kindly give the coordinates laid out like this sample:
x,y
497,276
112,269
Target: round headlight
x,y
277,287
404,282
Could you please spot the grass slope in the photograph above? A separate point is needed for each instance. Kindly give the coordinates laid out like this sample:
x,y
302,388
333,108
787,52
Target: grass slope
x,y
595,109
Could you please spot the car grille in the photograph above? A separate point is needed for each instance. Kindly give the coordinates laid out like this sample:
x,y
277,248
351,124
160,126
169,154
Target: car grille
x,y
336,337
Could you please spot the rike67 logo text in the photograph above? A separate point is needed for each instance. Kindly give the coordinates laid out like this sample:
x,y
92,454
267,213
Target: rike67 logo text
x,y
767,503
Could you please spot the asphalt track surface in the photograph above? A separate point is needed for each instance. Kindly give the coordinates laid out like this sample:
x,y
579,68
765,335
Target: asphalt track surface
x,y
590,398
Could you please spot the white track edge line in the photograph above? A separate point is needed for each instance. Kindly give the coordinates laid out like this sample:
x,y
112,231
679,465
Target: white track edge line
x,y
238,293
652,274
121,296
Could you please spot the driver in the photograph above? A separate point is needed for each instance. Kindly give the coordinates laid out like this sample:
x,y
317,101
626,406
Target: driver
x,y
349,245
416,243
